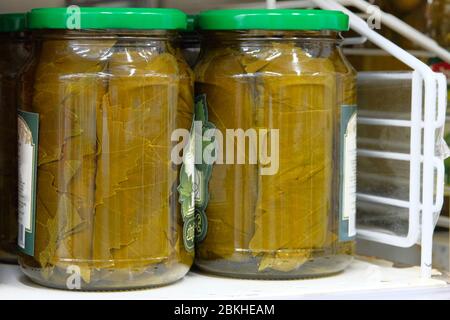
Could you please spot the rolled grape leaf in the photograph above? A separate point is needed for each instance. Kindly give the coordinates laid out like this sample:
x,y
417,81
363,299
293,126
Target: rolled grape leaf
x,y
293,205
233,187
106,185
280,220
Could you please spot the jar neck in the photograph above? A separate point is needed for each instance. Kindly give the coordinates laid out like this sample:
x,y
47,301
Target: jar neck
x,y
157,35
222,37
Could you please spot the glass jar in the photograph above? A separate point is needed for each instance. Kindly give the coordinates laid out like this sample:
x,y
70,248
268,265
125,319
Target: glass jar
x,y
14,52
102,211
280,76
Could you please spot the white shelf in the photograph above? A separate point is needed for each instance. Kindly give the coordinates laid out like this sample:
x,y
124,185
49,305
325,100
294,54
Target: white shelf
x,y
364,279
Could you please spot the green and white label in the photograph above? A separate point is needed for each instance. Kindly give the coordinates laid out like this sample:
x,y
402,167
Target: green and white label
x,y
28,130
194,178
202,169
186,192
347,192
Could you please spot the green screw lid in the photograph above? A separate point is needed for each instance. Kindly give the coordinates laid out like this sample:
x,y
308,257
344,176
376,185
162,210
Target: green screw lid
x,y
13,22
107,18
273,19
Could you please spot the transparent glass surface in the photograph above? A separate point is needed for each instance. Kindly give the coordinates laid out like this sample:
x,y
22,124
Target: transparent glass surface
x,y
286,225
107,204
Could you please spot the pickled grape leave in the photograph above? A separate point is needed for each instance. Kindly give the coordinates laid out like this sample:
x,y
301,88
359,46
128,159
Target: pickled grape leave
x,y
230,105
301,107
275,221
106,198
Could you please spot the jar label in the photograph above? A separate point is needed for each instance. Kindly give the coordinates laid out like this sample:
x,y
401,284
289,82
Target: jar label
x,y
347,212
194,178
186,193
28,129
202,168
